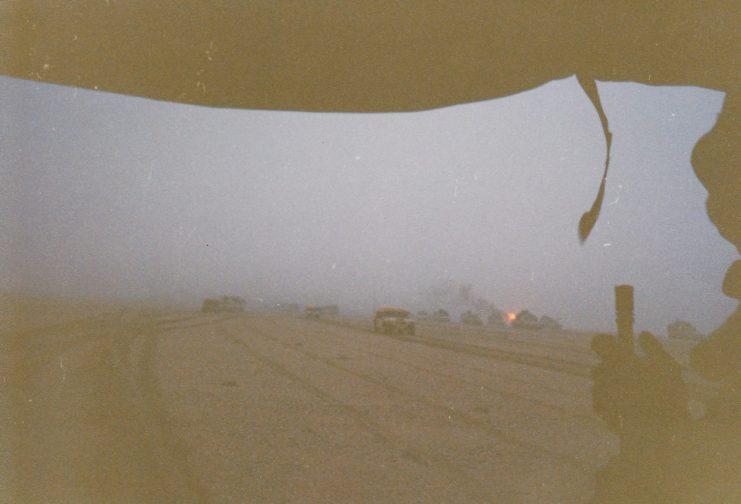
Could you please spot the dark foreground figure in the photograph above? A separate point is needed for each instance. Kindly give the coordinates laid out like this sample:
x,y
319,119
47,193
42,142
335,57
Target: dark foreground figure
x,y
665,456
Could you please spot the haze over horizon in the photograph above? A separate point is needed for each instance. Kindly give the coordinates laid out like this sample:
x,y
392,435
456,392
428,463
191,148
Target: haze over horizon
x,y
122,197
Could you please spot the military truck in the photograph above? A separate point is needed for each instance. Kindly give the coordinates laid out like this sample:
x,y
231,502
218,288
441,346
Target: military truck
x,y
223,304
391,320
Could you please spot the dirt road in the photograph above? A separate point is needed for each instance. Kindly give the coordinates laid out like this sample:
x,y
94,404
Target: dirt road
x,y
132,405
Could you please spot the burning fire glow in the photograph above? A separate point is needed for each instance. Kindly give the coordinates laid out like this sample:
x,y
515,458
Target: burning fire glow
x,y
511,316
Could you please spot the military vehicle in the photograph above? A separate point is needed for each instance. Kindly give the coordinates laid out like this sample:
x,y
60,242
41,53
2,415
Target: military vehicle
x,y
223,304
471,318
332,309
550,323
390,320
441,316
312,312
496,319
315,312
526,320
287,307
680,329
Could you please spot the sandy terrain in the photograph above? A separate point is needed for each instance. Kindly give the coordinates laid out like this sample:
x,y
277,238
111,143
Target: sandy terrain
x,y
127,404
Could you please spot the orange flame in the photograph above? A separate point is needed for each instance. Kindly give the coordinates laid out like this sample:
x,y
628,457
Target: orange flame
x,y
511,316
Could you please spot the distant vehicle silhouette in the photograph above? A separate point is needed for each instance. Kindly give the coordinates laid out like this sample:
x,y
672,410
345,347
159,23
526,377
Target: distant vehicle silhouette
x,y
496,319
549,323
441,316
390,320
312,312
526,320
679,329
471,318
332,309
287,307
223,304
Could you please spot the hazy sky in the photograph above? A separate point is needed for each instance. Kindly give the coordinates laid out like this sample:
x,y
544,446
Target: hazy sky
x,y
113,196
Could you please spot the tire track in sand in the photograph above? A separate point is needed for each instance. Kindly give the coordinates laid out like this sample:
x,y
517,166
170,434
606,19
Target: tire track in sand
x,y
455,414
553,390
93,429
543,362
470,486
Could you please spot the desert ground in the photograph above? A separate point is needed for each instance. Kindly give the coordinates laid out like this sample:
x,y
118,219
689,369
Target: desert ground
x,y
136,404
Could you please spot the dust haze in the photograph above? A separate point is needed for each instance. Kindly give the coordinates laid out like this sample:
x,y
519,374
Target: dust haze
x,y
113,197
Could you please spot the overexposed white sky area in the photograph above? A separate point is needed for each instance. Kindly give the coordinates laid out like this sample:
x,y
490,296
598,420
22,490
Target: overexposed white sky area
x,y
121,197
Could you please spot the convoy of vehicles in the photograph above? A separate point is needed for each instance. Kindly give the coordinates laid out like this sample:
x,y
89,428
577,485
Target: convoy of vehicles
x,y
528,321
394,320
398,320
